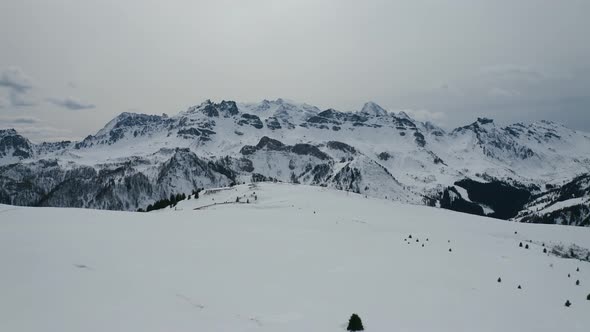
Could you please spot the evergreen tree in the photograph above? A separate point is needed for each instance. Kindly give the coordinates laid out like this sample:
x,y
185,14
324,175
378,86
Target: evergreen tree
x,y
578,269
450,250
237,199
520,245
355,323
588,297
519,287
568,303
499,279
544,250
526,246
577,282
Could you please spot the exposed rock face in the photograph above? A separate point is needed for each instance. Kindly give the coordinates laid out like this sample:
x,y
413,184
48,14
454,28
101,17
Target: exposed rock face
x,y
14,146
535,172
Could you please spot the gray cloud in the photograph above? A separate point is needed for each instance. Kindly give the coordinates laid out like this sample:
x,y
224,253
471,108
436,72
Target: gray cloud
x,y
35,129
14,79
18,99
462,58
511,93
513,72
71,103
3,102
19,120
44,133
18,87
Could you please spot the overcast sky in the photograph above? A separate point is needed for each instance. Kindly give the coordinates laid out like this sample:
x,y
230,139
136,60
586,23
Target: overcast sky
x,y
69,66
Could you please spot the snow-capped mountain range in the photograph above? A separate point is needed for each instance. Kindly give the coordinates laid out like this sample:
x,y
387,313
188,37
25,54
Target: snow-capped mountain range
x,y
533,172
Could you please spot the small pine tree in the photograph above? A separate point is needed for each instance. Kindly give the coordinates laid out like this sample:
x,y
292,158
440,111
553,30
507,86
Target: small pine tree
x,y
544,250
568,303
355,323
520,245
450,250
422,245
569,275
588,297
409,237
577,282
499,279
237,199
248,201
519,287
526,247
578,269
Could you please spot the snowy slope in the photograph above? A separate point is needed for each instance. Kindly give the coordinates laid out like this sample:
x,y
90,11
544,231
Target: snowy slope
x,y
296,258
127,164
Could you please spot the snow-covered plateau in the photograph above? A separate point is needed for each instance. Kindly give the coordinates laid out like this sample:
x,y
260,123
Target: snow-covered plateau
x,y
285,257
532,172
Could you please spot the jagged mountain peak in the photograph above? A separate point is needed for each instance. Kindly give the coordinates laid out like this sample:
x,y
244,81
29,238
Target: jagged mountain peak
x,y
403,115
225,108
8,132
224,142
479,126
14,147
485,121
128,119
280,107
372,108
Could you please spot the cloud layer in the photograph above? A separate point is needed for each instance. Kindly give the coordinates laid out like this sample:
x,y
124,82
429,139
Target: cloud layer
x,y
71,103
14,79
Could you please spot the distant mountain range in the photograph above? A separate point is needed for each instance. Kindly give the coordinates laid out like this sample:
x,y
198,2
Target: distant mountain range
x,y
532,172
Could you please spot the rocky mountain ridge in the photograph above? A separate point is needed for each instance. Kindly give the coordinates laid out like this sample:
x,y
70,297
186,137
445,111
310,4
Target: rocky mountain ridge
x,y
137,159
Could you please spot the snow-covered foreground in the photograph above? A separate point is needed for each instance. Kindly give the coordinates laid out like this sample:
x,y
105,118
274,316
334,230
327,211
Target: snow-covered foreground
x,y
297,258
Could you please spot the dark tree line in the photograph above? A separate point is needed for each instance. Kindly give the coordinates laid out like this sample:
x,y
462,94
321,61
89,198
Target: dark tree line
x,y
171,201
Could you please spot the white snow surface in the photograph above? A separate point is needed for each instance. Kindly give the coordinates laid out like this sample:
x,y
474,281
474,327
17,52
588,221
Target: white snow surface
x,y
296,258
